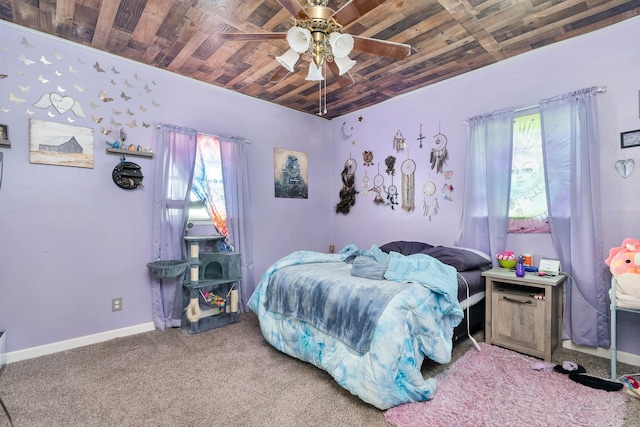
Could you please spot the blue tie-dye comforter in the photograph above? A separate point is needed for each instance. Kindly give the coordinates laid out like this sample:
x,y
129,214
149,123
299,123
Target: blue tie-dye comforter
x,y
416,322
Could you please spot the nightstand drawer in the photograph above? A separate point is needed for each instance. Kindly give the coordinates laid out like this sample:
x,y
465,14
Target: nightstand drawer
x,y
518,319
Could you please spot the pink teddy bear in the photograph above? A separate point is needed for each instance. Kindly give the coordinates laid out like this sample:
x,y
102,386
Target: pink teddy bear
x,y
624,263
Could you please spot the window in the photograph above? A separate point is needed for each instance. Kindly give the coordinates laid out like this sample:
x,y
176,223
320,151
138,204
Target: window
x,y
207,190
528,199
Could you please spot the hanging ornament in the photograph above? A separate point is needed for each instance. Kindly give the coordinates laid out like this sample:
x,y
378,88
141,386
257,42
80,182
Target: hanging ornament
x,y
408,169
365,183
378,187
430,205
390,161
447,189
367,158
392,195
399,142
439,153
421,137
348,191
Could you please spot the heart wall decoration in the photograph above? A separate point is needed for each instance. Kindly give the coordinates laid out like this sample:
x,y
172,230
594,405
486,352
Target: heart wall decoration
x,y
61,103
625,167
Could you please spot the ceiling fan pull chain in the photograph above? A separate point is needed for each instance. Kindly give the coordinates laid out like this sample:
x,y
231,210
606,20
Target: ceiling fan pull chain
x,y
325,90
320,98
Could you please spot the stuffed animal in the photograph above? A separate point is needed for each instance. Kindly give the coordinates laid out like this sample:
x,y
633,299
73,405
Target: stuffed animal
x,y
624,263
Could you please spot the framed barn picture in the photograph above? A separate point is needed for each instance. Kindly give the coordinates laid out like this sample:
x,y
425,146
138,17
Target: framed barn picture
x,y
59,144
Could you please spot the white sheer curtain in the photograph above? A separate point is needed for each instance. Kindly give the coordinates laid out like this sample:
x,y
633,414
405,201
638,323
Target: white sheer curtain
x,y
235,170
175,155
570,150
485,213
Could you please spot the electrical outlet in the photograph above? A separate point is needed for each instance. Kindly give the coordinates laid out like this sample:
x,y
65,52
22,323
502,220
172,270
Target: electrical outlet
x,y
116,304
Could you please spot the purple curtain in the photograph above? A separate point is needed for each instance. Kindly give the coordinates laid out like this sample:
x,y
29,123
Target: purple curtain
x,y
485,214
175,156
570,149
235,170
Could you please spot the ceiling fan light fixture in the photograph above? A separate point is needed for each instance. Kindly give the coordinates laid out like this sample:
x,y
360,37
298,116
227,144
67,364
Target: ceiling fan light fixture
x,y
299,39
344,64
315,73
289,59
341,44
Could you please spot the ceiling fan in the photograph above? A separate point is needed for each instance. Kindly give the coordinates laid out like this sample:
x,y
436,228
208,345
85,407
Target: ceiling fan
x,y
317,37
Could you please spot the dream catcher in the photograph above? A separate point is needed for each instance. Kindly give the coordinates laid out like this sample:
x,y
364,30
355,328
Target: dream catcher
x,y
399,142
439,154
378,187
365,183
392,191
348,191
392,195
408,169
430,205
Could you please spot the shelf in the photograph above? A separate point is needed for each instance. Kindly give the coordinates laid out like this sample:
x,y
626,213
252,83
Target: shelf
x,y
210,282
5,143
129,152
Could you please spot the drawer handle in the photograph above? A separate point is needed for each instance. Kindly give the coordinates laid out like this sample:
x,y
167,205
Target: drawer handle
x,y
506,298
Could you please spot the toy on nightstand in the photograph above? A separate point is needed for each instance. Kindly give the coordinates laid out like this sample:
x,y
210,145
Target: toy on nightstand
x,y
624,263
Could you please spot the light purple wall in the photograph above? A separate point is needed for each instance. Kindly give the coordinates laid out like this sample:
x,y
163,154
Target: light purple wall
x,y
606,58
71,240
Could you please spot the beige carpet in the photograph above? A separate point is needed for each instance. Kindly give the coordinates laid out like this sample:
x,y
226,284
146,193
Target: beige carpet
x,y
228,376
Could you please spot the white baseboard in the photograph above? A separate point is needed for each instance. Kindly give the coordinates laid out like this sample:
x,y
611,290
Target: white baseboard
x,y
29,353
624,357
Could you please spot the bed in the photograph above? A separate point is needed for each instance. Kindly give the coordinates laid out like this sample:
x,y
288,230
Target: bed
x,y
370,317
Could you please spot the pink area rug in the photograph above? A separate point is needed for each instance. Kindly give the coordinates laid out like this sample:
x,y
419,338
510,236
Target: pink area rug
x,y
498,387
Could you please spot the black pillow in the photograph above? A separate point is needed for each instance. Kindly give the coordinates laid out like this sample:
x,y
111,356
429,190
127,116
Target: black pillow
x,y
461,259
405,248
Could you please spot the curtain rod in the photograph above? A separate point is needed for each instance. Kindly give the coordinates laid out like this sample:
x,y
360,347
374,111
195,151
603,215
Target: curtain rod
x,y
599,89
236,138
224,136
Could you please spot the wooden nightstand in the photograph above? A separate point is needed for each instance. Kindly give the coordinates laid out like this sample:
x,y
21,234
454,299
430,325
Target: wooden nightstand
x,y
516,319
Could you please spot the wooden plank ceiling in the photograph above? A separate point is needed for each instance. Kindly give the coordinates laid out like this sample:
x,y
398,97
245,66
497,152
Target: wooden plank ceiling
x,y
448,38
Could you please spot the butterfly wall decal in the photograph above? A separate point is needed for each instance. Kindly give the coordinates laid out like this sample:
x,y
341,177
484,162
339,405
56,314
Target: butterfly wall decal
x,y
15,99
25,60
25,43
104,97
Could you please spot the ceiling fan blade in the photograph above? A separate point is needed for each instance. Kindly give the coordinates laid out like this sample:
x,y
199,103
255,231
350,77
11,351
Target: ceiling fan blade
x,y
344,80
381,47
279,75
294,8
253,36
355,9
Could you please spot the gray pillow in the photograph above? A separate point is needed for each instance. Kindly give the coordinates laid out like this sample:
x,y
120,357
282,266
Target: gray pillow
x,y
368,268
405,247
